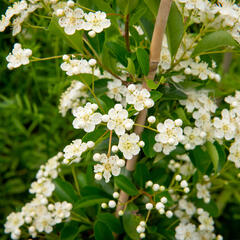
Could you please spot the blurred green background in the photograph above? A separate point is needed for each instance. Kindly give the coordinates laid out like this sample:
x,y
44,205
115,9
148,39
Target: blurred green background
x,y
32,130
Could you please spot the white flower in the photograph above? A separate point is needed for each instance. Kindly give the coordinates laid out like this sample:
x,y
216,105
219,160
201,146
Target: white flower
x,y
73,152
76,66
14,221
72,21
206,222
129,145
4,22
108,166
43,187
61,210
234,153
203,193
118,120
140,98
116,90
165,59
186,232
18,56
44,222
225,127
202,117
86,118
189,207
96,22
71,97
170,134
200,69
192,137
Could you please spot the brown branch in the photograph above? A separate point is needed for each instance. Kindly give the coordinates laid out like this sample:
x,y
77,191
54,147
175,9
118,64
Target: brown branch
x,y
126,35
155,50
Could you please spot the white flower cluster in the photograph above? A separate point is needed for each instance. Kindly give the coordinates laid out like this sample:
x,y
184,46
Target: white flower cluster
x,y
134,94
187,230
117,120
75,66
107,166
18,56
129,145
221,15
70,99
86,118
203,191
112,203
38,215
170,134
184,167
21,9
76,19
140,98
74,151
141,229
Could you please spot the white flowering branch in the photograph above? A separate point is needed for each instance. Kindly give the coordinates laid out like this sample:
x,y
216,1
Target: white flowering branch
x,y
155,50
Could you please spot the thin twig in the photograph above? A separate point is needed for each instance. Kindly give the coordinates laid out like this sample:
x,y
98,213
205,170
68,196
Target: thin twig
x,y
126,35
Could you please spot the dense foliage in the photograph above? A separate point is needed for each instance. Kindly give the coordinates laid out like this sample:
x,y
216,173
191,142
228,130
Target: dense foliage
x,y
91,64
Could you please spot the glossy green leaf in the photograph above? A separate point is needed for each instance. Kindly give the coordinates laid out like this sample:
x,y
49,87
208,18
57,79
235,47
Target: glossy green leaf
x,y
148,136
127,6
74,41
69,231
200,158
89,201
131,66
126,185
94,136
153,6
119,52
143,60
156,95
215,40
171,92
111,221
175,29
141,175
65,191
102,231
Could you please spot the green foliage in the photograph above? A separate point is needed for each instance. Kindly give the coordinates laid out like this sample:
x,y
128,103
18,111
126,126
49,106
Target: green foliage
x,y
126,185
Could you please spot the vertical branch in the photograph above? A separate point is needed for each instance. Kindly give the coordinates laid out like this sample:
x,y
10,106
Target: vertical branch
x,y
126,34
155,51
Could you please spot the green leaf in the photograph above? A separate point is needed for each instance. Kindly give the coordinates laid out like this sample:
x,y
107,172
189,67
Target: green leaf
x,y
102,231
153,5
182,115
200,158
148,136
213,41
111,221
126,185
143,60
131,221
131,66
15,186
212,151
151,84
156,95
221,155
95,191
127,6
74,41
175,29
69,231
89,201
118,52
171,92
94,136
141,175
64,191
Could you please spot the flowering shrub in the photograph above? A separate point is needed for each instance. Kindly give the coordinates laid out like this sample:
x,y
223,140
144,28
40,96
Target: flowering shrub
x,y
154,145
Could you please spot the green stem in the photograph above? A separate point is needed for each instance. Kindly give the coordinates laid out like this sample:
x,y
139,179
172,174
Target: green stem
x,y
152,129
75,179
